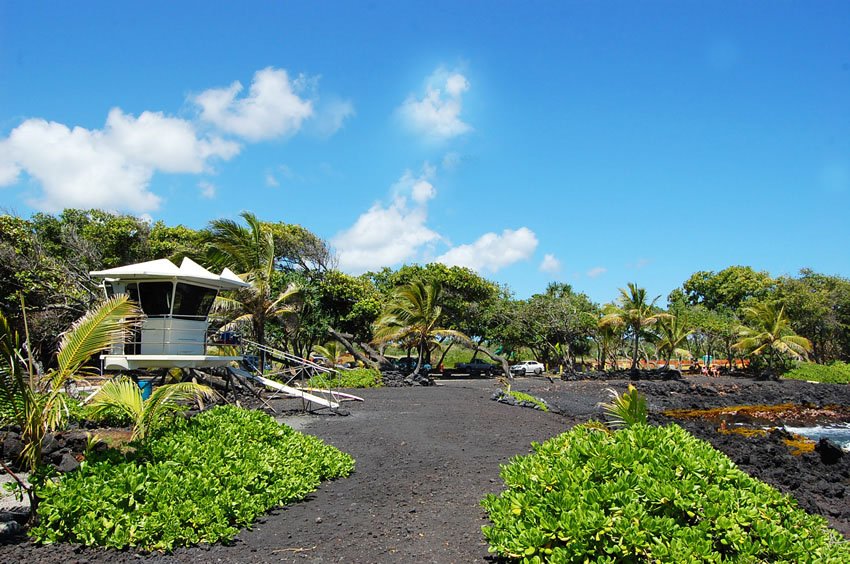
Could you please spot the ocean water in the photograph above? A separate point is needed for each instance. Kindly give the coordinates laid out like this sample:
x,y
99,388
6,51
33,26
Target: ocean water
x,y
839,433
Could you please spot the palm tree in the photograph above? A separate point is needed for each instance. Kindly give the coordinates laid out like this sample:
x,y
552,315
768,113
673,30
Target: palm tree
x,y
332,351
414,311
635,314
36,402
124,395
768,331
674,333
249,251
254,306
608,337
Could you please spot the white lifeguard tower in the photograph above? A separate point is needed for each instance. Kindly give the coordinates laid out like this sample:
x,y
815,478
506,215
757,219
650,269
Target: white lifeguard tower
x,y
176,302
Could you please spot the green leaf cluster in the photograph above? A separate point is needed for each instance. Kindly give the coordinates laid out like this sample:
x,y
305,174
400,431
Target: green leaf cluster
x,y
646,494
626,410
835,373
110,417
197,481
354,378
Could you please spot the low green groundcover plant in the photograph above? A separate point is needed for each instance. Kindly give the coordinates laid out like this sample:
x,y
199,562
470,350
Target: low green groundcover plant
x,y
646,494
78,413
522,396
835,373
354,378
200,480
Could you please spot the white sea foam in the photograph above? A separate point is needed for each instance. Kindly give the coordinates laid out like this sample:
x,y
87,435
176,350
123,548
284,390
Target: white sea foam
x,y
839,434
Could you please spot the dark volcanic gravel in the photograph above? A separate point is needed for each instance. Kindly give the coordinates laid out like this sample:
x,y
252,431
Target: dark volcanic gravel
x,y
427,455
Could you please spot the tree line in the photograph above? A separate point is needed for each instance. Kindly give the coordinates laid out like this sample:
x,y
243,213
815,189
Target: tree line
x,y
299,300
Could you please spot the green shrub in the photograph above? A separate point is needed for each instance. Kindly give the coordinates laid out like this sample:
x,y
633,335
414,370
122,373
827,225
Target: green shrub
x,y
354,378
646,494
197,481
835,373
110,417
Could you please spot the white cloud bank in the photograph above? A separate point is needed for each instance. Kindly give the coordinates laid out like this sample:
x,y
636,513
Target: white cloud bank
x,y
270,109
597,271
492,252
108,168
437,114
388,235
112,167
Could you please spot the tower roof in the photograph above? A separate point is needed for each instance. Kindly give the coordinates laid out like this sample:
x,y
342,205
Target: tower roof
x,y
164,269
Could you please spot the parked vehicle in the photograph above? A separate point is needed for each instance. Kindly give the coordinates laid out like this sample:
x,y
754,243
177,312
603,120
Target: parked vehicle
x,y
527,367
408,363
477,367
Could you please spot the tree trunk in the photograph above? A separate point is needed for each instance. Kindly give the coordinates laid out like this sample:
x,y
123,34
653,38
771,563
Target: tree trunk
x,y
378,357
354,352
501,360
260,332
635,351
445,352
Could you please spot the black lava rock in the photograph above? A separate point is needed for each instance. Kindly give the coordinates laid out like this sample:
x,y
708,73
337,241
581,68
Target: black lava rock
x,y
829,452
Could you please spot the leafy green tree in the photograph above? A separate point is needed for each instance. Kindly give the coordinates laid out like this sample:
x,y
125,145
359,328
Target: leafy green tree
x,y
819,309
349,304
768,333
173,242
635,314
297,248
714,330
730,288
415,311
56,289
94,238
559,324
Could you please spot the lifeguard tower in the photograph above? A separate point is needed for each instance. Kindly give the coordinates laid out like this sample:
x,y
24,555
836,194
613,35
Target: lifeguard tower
x,y
176,302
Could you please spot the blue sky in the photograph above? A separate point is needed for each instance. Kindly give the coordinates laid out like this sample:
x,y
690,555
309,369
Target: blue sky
x,y
594,143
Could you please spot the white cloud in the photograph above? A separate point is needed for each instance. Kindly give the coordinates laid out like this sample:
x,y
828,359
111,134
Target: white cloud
x,y
107,168
331,116
550,264
639,263
270,109
437,114
271,181
423,191
492,252
596,271
207,189
388,235
384,236
165,143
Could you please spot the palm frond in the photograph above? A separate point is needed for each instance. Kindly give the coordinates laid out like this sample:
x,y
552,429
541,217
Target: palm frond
x,y
626,410
101,327
122,394
165,399
13,386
